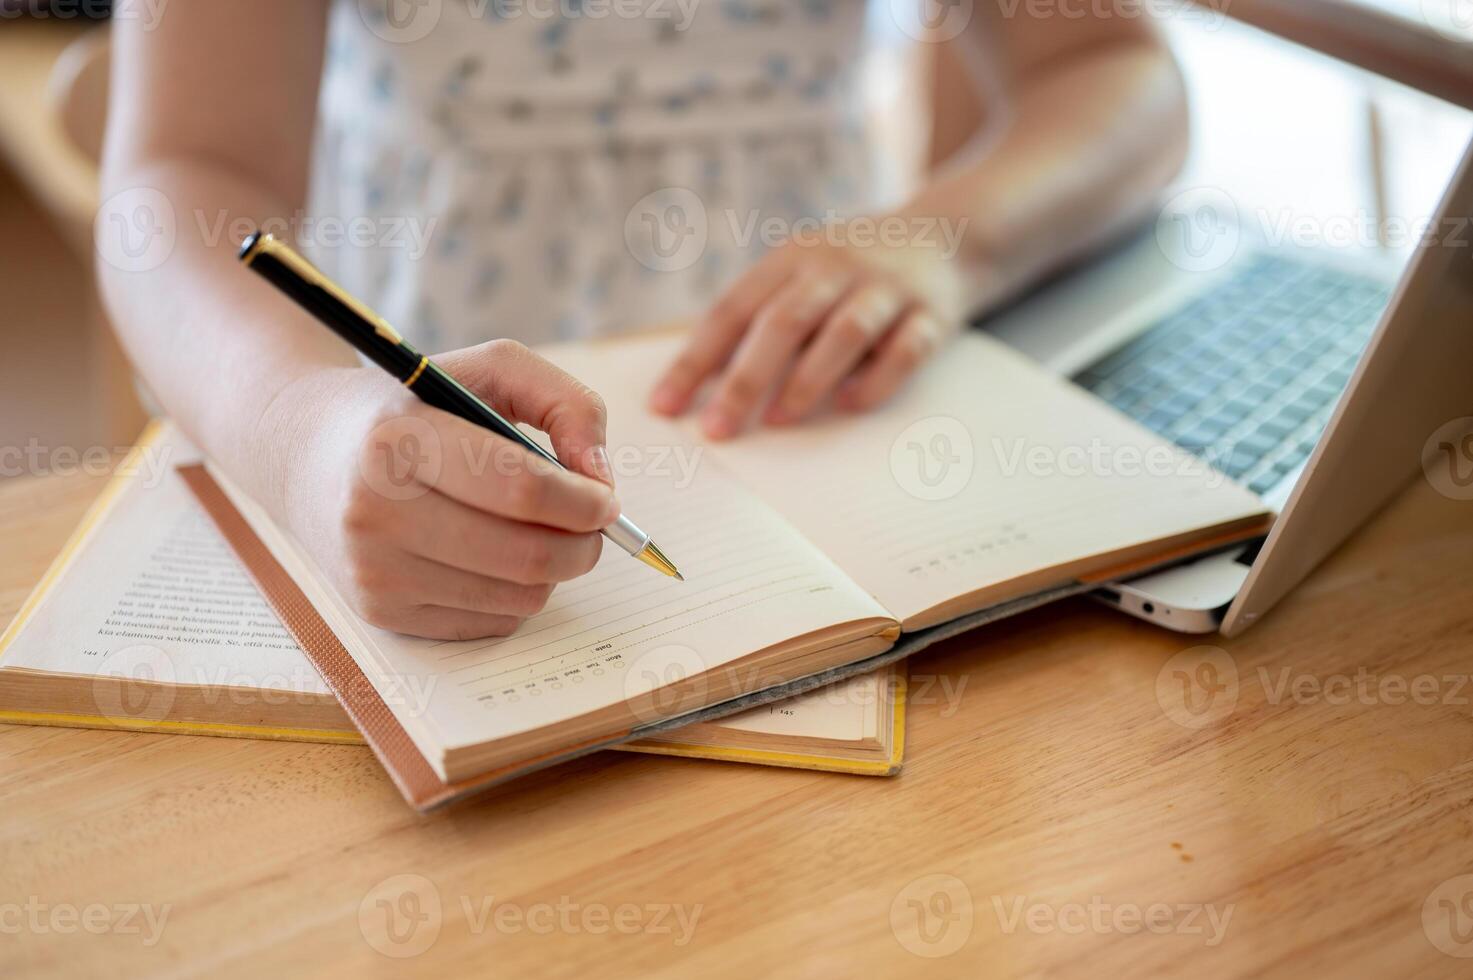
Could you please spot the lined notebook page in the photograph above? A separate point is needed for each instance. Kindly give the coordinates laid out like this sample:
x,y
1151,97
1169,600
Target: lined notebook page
x,y
983,469
621,630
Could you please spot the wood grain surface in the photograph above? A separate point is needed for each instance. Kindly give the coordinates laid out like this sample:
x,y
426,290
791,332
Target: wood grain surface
x,y
1084,795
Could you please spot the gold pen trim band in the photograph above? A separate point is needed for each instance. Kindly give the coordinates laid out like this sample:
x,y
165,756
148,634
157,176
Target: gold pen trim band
x,y
655,558
419,369
266,243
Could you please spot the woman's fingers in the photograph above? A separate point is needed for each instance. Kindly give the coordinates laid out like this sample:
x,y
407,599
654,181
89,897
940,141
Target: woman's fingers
x,y
422,582
718,335
389,587
449,533
497,476
419,548
445,623
860,320
528,388
449,530
767,351
895,359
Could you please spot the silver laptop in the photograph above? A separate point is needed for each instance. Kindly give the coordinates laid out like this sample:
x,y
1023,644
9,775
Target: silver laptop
x,y
1316,382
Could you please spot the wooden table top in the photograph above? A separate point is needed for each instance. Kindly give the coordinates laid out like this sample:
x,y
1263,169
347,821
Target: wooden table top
x,y
1062,810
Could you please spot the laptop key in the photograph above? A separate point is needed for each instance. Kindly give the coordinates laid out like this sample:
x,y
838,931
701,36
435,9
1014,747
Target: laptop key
x,y
1276,428
1295,412
1258,443
1264,482
1157,420
1230,413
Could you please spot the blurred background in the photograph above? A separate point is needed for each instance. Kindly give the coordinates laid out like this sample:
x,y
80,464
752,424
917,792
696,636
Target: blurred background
x,y
1347,114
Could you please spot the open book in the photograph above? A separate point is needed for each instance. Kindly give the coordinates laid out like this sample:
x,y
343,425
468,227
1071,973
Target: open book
x,y
147,621
986,487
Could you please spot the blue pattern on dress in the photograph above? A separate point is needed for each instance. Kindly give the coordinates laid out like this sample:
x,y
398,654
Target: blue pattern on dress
x,y
527,235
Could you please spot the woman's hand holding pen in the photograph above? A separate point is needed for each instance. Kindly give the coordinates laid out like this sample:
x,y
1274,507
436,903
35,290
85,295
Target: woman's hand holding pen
x,y
814,322
434,526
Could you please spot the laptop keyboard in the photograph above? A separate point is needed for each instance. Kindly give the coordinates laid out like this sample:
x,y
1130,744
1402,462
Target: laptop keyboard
x,y
1247,374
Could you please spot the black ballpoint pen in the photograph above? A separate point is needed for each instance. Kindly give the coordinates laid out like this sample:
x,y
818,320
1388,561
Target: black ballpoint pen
x,y
373,337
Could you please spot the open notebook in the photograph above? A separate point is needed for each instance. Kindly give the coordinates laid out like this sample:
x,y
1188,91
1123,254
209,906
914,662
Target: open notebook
x,y
986,487
147,621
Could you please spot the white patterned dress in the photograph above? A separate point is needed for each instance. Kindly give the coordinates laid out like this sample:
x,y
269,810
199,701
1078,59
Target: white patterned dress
x,y
552,169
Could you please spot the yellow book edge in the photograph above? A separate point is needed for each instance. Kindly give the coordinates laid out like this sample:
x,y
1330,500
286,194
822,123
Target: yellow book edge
x,y
794,760
166,727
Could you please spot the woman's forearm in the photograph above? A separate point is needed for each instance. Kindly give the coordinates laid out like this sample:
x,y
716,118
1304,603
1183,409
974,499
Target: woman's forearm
x,y
210,119
225,356
1082,152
